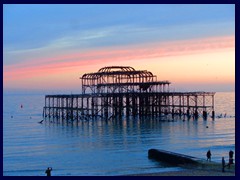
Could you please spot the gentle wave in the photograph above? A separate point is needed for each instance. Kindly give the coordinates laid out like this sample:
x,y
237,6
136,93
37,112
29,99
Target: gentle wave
x,y
106,147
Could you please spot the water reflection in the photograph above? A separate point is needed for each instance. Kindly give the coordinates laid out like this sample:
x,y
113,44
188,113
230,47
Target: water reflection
x,y
99,147
127,132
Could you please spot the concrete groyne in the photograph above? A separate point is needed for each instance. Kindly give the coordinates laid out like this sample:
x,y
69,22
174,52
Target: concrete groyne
x,y
173,158
188,162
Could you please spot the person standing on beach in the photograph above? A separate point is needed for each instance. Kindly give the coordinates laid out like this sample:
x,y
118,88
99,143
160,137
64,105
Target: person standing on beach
x,y
48,171
223,164
209,155
230,158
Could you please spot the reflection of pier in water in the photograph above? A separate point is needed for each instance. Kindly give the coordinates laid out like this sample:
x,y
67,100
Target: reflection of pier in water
x,y
122,91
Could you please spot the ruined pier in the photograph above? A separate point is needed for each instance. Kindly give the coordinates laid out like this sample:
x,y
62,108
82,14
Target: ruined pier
x,y
122,91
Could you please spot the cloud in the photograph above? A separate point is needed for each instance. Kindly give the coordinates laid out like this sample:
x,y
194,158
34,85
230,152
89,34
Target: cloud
x,y
124,34
64,63
42,41
89,40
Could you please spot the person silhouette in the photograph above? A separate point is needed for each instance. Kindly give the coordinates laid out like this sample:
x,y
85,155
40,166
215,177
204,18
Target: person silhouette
x,y
209,155
230,158
223,164
48,171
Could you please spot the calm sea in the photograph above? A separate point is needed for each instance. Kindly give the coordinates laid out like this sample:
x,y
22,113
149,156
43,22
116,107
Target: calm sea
x,y
106,147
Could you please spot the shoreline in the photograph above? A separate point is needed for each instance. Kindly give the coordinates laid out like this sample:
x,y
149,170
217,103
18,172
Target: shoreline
x,y
215,170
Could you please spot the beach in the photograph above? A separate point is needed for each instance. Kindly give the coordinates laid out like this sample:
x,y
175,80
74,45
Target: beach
x,y
215,170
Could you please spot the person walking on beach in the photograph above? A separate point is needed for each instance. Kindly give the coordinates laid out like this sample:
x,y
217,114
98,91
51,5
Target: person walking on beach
x,y
230,158
209,155
48,171
223,164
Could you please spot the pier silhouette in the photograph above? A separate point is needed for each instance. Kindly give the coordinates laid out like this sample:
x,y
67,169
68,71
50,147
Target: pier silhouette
x,y
122,91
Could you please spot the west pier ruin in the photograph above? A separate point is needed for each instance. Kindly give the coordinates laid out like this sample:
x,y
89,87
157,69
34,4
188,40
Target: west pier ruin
x,y
122,91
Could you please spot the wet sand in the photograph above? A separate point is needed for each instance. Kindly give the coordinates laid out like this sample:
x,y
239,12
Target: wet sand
x,y
206,170
189,172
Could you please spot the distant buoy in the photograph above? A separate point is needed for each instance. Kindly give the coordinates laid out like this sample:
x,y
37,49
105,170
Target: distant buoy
x,y
206,126
21,106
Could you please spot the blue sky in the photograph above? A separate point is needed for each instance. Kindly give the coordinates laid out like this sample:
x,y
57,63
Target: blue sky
x,y
34,33
34,26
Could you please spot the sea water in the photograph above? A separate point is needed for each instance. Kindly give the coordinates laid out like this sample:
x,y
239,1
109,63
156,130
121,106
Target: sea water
x,y
113,147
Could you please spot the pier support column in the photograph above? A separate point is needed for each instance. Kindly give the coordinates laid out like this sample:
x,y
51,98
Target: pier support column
x,y
172,112
105,107
127,106
188,114
166,112
213,114
204,115
180,112
196,114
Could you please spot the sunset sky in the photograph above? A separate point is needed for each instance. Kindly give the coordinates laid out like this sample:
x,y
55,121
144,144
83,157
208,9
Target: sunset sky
x,y
48,47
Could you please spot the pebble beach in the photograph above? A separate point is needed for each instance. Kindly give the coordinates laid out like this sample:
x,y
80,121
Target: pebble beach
x,y
211,170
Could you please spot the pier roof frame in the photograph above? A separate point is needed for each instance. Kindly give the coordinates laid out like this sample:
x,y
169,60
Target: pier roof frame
x,y
141,73
111,68
117,78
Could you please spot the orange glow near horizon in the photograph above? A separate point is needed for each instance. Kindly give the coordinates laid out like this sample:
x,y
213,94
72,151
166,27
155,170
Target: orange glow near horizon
x,y
209,60
194,68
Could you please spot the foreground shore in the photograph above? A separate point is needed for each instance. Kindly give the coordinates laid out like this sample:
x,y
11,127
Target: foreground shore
x,y
208,170
189,172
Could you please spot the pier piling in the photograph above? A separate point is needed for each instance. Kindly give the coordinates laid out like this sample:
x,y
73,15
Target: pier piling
x,y
119,91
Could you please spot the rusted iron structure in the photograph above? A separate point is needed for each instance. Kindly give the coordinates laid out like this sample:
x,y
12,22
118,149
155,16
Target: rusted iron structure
x,y
122,91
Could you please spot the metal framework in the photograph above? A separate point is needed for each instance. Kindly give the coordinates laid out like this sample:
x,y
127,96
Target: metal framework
x,y
121,79
119,91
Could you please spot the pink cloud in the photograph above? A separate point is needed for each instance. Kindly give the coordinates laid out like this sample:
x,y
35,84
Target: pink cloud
x,y
64,64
